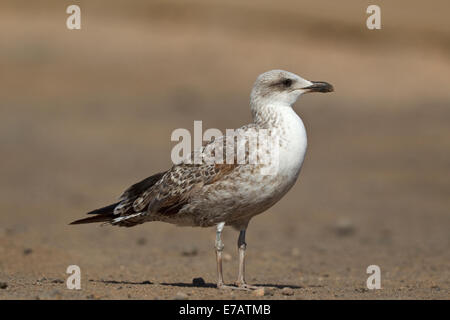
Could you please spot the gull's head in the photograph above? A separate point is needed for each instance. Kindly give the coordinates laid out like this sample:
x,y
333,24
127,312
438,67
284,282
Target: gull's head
x,y
281,87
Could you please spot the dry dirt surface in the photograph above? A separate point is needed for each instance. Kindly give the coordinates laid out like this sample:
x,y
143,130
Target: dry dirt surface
x,y
84,114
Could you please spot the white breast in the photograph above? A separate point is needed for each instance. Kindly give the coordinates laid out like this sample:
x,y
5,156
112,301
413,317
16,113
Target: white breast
x,y
293,144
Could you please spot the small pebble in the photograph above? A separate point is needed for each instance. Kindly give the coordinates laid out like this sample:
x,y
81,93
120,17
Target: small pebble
x,y
27,251
180,296
263,292
259,292
199,282
269,291
344,227
287,291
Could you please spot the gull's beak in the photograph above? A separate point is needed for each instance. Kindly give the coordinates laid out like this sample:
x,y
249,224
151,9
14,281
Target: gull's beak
x,y
319,86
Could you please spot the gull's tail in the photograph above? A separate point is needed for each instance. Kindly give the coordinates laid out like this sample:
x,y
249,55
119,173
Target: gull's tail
x,y
125,214
105,214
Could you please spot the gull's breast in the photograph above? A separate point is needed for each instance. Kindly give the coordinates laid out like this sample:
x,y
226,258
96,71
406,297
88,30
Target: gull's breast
x,y
292,147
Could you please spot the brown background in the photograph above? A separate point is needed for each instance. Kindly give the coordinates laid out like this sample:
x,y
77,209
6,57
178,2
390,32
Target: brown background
x,y
86,113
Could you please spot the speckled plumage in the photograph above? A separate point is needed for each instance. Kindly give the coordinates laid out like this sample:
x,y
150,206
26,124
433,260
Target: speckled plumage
x,y
206,194
231,193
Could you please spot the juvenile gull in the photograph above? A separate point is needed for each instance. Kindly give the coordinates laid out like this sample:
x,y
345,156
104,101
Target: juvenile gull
x,y
212,194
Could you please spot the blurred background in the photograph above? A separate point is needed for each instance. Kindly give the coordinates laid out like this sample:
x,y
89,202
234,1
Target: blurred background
x,y
86,113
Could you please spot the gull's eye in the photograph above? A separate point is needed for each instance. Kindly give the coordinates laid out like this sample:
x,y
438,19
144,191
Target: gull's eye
x,y
287,83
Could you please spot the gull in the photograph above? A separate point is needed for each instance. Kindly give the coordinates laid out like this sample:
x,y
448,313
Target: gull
x,y
218,194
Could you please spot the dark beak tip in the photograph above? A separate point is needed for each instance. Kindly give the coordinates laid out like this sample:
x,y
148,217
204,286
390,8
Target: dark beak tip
x,y
321,86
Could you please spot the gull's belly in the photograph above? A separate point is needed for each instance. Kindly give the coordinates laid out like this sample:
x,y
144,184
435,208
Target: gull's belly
x,y
241,197
249,191
237,198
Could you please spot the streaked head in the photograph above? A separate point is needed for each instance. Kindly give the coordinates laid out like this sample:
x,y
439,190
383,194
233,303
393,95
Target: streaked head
x,y
283,87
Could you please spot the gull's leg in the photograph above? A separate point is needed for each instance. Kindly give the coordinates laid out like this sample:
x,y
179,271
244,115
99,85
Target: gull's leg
x,y
241,275
219,248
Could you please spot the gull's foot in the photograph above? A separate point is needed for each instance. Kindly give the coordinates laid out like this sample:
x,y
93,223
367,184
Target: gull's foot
x,y
245,286
222,286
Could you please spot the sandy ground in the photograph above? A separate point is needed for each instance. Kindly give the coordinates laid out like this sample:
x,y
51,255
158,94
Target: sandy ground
x,y
86,113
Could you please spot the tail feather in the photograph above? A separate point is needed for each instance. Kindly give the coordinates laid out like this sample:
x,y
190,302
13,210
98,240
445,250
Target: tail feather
x,y
130,217
105,210
104,214
102,218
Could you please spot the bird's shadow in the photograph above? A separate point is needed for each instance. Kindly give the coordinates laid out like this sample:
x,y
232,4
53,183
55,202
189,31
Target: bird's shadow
x,y
213,285
146,282
192,285
189,285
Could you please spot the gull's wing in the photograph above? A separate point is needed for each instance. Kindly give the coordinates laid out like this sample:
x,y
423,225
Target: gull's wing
x,y
176,187
167,192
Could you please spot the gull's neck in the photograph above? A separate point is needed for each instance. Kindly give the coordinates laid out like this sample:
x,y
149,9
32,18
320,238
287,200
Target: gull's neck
x,y
271,114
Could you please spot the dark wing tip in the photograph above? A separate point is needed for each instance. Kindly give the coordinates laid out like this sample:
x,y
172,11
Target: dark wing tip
x,y
99,218
105,210
101,215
